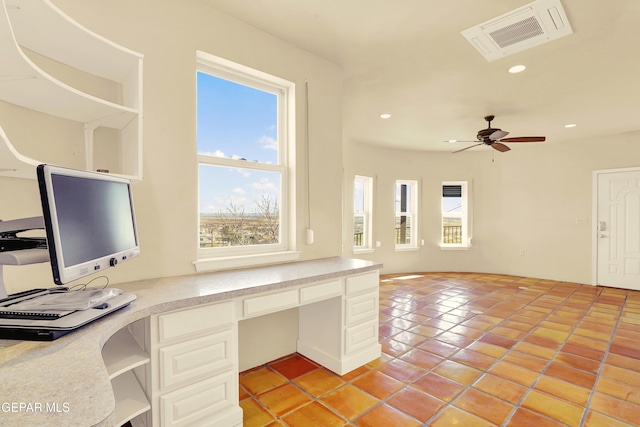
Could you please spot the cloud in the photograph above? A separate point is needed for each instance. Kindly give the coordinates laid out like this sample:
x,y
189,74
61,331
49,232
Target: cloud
x,y
238,190
268,142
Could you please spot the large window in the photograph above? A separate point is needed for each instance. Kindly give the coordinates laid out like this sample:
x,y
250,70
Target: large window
x,y
243,167
406,206
455,230
362,213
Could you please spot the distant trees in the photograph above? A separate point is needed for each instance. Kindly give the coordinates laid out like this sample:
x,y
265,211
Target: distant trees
x,y
234,227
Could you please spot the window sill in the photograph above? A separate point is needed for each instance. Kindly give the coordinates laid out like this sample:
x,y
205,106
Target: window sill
x,y
455,248
241,261
363,251
407,249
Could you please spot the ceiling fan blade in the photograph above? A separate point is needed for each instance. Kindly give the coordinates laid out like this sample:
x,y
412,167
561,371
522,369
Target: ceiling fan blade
x,y
525,139
500,147
499,134
466,148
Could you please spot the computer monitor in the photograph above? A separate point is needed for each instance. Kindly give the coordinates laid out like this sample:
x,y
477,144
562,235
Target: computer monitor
x,y
89,221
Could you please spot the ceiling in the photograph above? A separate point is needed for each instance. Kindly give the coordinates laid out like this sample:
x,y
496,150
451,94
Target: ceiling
x,y
408,58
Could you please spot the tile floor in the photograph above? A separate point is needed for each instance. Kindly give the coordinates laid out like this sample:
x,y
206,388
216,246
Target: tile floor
x,y
471,350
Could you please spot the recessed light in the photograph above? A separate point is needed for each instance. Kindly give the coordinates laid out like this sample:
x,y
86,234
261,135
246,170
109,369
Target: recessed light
x,y
385,116
517,69
570,125
453,140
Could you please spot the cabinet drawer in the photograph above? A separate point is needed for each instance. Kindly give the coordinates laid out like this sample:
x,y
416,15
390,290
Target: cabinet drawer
x,y
363,283
321,291
198,404
196,358
191,321
269,303
360,337
363,307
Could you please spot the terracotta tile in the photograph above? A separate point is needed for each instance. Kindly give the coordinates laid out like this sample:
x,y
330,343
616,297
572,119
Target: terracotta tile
x,y
454,339
499,340
386,330
313,414
457,372
583,351
623,362
438,347
437,386
574,376
564,390
426,331
422,358
473,359
499,387
453,416
488,349
615,408
588,342
514,373
394,348
618,389
520,326
577,362
603,336
349,401
625,347
380,416
283,399
546,342
484,406
508,332
356,373
318,382
254,414
401,370
525,418
552,407
293,366
526,361
378,384
416,403
242,393
620,374
260,380
595,419
410,338
440,324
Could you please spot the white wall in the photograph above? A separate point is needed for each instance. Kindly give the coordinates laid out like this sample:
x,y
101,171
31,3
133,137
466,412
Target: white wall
x,y
168,33
528,199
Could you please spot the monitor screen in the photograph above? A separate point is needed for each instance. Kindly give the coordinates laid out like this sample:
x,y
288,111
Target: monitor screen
x,y
89,221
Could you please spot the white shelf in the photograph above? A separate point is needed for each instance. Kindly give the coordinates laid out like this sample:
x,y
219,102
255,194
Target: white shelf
x,y
122,353
39,26
130,399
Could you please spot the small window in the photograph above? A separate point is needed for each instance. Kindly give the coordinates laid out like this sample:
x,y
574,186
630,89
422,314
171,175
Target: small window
x,y
455,231
362,213
406,203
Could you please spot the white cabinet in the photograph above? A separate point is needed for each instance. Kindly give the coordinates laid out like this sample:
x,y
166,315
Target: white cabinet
x,y
122,355
341,333
53,65
194,368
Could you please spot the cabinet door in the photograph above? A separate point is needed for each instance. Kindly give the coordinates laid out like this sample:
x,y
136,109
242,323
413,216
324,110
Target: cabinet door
x,y
361,336
363,307
195,359
199,404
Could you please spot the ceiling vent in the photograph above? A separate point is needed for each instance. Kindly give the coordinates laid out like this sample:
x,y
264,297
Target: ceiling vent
x,y
528,26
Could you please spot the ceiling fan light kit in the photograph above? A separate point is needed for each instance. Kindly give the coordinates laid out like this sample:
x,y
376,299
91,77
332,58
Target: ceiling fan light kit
x,y
494,138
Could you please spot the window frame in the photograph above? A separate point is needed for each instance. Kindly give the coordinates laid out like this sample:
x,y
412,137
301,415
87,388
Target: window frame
x,y
464,216
284,250
411,213
366,214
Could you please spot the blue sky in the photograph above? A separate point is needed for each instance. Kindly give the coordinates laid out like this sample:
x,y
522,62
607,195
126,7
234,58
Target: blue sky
x,y
235,121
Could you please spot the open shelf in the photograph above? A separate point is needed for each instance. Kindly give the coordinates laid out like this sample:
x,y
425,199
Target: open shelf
x,y
122,353
130,399
36,39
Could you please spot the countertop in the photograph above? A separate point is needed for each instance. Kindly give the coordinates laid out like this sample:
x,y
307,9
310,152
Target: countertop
x,y
65,382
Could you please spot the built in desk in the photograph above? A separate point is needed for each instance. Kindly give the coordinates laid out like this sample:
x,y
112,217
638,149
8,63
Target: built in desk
x,y
171,357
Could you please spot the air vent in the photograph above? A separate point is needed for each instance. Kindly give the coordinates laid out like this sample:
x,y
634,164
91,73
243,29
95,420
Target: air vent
x,y
528,26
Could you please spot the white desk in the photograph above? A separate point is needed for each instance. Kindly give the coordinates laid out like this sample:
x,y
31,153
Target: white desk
x,y
180,319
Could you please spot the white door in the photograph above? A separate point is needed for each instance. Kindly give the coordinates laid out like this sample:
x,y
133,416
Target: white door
x,y
617,237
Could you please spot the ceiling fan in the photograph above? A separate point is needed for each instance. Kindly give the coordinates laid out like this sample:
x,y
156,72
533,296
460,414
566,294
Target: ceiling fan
x,y
494,138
